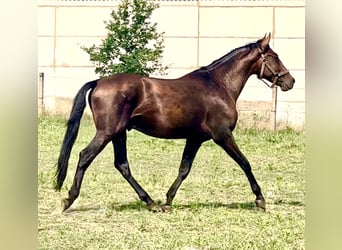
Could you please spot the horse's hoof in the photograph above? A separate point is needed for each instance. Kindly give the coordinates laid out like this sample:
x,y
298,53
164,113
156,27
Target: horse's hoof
x,y
65,204
261,204
166,208
154,208
160,208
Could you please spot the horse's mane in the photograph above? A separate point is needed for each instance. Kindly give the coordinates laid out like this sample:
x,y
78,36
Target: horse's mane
x,y
227,57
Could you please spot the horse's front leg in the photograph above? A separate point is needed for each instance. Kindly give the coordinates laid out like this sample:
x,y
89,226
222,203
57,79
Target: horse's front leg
x,y
227,142
189,153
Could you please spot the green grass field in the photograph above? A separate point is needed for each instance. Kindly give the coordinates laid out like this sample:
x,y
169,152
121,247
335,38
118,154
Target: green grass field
x,y
213,209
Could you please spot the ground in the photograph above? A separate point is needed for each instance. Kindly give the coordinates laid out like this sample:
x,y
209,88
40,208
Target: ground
x,y
213,209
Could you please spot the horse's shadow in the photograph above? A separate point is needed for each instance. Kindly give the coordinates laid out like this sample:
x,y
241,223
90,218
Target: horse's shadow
x,y
91,208
138,206
190,206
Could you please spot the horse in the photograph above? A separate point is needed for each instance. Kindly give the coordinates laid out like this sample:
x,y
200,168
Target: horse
x,y
197,107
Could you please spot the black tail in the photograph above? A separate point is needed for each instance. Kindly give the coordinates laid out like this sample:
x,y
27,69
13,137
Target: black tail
x,y
71,132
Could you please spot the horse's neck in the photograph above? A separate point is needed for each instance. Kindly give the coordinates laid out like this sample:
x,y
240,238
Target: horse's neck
x,y
235,76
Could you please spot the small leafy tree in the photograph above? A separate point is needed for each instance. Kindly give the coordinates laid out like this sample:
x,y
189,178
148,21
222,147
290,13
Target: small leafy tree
x,y
132,43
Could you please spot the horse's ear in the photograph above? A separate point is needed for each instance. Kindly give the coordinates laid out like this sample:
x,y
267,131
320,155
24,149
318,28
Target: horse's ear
x,y
265,41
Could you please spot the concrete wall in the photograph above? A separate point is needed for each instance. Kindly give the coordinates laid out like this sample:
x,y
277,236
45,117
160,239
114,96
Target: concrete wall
x,y
196,33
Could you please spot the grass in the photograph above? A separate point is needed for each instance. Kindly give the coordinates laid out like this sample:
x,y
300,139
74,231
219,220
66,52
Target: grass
x,y
213,209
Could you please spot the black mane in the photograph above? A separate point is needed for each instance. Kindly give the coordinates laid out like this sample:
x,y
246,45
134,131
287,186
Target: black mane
x,y
227,57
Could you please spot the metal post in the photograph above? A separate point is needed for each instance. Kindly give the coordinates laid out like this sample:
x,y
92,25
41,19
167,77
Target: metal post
x,y
274,99
41,90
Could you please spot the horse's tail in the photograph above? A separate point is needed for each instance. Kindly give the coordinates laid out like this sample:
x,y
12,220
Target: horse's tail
x,y
71,132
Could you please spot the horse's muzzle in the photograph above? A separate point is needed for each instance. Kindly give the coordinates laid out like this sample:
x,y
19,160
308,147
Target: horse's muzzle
x,y
287,83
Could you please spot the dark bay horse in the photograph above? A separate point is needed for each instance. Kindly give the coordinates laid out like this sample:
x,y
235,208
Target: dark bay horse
x,y
198,107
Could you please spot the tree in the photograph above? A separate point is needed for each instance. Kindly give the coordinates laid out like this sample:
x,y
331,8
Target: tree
x,y
133,44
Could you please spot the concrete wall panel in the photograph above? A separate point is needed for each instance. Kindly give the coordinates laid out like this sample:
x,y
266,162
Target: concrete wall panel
x,y
177,20
290,22
81,21
235,22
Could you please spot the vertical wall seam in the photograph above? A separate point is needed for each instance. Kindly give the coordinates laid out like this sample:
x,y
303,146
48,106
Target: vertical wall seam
x,y
54,39
198,33
275,89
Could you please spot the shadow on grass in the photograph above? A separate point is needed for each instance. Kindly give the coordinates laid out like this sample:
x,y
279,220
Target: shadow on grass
x,y
83,208
191,206
138,205
213,205
291,203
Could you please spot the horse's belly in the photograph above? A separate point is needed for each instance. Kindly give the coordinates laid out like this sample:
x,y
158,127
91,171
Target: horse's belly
x,y
166,127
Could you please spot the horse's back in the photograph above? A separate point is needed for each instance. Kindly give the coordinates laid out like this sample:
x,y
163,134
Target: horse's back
x,y
164,108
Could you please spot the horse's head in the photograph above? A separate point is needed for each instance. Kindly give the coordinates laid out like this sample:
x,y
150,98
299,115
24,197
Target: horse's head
x,y
270,67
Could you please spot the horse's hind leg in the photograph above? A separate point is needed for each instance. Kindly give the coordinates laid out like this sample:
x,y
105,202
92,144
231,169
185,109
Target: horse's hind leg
x,y
87,155
121,164
227,142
